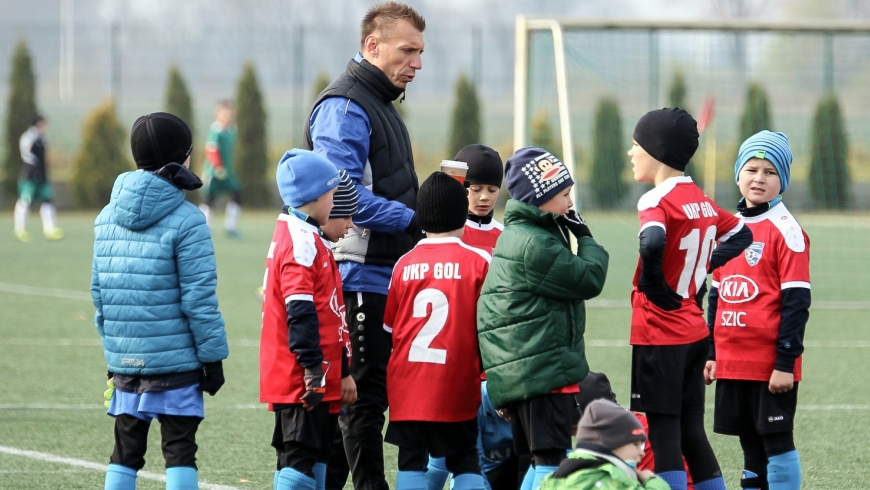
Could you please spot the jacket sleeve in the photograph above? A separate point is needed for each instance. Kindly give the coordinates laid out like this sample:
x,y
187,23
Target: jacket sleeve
x,y
730,247
652,250
792,324
712,311
553,271
304,332
197,280
97,296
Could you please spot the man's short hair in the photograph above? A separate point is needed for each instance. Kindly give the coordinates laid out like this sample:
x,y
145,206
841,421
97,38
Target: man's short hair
x,y
383,16
224,104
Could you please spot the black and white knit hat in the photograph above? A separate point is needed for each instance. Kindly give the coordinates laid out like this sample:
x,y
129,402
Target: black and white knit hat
x,y
346,200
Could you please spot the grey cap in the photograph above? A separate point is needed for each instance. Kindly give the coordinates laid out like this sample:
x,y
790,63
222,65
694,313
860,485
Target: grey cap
x,y
607,424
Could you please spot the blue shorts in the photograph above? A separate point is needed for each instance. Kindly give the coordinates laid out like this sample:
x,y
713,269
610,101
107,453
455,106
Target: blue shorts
x,y
185,401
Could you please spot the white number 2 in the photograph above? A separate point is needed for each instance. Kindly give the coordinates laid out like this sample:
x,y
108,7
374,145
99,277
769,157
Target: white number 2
x,y
697,256
420,350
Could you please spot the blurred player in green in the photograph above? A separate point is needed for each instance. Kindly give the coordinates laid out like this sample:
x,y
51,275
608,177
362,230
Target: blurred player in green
x,y
218,171
33,183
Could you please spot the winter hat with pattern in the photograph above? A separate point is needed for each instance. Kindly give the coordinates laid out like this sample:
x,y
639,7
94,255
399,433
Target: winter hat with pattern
x,y
484,165
442,204
158,139
303,176
668,135
534,176
770,146
607,424
346,199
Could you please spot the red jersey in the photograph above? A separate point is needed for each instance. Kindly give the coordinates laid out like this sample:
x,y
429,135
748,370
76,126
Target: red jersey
x,y
693,224
299,267
434,370
482,236
750,296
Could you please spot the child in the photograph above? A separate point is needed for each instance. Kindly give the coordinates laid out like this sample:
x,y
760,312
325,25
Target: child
x,y
531,314
344,206
153,284
33,183
610,443
757,314
679,226
483,180
303,364
433,376
219,168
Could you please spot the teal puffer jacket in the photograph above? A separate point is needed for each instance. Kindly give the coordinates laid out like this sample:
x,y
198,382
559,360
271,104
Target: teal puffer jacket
x,y
153,280
531,315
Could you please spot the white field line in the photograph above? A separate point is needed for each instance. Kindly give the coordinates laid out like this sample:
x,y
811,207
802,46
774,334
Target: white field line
x,y
595,303
51,458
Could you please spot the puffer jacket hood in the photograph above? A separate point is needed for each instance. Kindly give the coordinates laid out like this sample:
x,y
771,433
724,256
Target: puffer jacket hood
x,y
141,198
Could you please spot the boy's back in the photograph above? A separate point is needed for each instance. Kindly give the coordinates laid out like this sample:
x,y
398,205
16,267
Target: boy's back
x,y
434,370
693,224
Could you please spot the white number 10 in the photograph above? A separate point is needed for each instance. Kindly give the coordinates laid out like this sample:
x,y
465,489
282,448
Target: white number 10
x,y
420,350
697,256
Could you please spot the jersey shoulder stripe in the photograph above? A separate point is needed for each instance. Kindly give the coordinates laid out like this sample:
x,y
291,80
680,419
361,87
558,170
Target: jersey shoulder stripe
x,y
785,222
304,238
653,197
478,251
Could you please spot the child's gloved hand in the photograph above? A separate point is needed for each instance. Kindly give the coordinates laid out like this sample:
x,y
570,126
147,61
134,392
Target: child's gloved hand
x,y
211,378
220,173
315,387
108,394
575,224
659,293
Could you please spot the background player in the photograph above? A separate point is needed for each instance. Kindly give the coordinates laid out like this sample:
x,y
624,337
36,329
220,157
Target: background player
x,y
433,376
483,180
758,311
33,183
219,173
303,364
678,229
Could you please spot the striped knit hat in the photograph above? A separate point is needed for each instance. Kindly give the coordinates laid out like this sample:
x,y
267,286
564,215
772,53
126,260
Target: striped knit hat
x,y
345,201
770,146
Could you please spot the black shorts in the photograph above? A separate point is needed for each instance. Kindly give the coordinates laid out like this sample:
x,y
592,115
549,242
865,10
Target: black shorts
x,y
749,407
543,422
442,439
668,379
312,429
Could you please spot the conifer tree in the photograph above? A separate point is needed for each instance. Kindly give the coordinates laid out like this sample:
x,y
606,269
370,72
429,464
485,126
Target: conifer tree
x,y
20,109
543,136
179,102
756,113
465,123
608,156
320,83
101,157
830,184
251,155
678,91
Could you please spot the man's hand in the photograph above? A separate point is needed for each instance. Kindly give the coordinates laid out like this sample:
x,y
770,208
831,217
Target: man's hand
x,y
575,224
780,382
315,387
660,293
211,377
348,391
710,372
220,173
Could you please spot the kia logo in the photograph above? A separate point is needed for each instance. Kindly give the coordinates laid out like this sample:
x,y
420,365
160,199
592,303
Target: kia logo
x,y
737,289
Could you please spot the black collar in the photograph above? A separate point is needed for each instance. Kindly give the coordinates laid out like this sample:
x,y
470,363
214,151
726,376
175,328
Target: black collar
x,y
747,212
481,220
374,79
179,176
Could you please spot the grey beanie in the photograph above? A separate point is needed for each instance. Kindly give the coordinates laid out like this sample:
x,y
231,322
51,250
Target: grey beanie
x,y
607,424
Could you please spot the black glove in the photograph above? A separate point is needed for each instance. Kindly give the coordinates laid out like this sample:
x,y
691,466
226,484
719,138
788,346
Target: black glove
x,y
315,387
110,375
702,291
211,378
575,224
658,291
414,229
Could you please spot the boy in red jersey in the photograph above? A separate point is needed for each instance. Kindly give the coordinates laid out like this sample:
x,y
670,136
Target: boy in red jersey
x,y
433,377
758,311
679,228
303,366
483,180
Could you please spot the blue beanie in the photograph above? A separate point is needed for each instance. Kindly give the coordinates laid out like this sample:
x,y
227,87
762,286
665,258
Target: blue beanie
x,y
303,176
770,146
534,176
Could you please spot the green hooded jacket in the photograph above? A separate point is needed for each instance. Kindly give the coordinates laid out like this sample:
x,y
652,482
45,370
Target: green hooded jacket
x,y
594,471
531,315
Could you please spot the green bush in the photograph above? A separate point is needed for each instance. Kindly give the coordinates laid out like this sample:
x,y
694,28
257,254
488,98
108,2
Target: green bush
x,y
830,185
320,83
251,155
543,136
179,102
20,110
756,114
101,157
608,156
465,123
678,91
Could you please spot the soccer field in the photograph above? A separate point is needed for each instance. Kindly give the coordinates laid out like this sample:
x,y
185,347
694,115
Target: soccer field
x,y
54,432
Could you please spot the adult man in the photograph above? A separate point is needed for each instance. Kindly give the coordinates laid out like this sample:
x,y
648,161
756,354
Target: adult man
x,y
33,183
354,125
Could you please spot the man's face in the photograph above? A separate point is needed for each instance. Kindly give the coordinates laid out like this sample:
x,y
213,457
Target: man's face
x,y
396,52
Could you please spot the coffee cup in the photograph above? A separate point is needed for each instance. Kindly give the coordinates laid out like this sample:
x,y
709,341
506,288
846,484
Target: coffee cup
x,y
455,169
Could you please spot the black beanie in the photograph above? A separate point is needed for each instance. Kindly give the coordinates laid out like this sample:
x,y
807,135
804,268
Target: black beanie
x,y
594,387
668,135
158,139
484,165
442,204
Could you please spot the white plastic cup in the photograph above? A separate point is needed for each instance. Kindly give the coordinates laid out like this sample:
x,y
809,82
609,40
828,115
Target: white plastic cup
x,y
455,169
